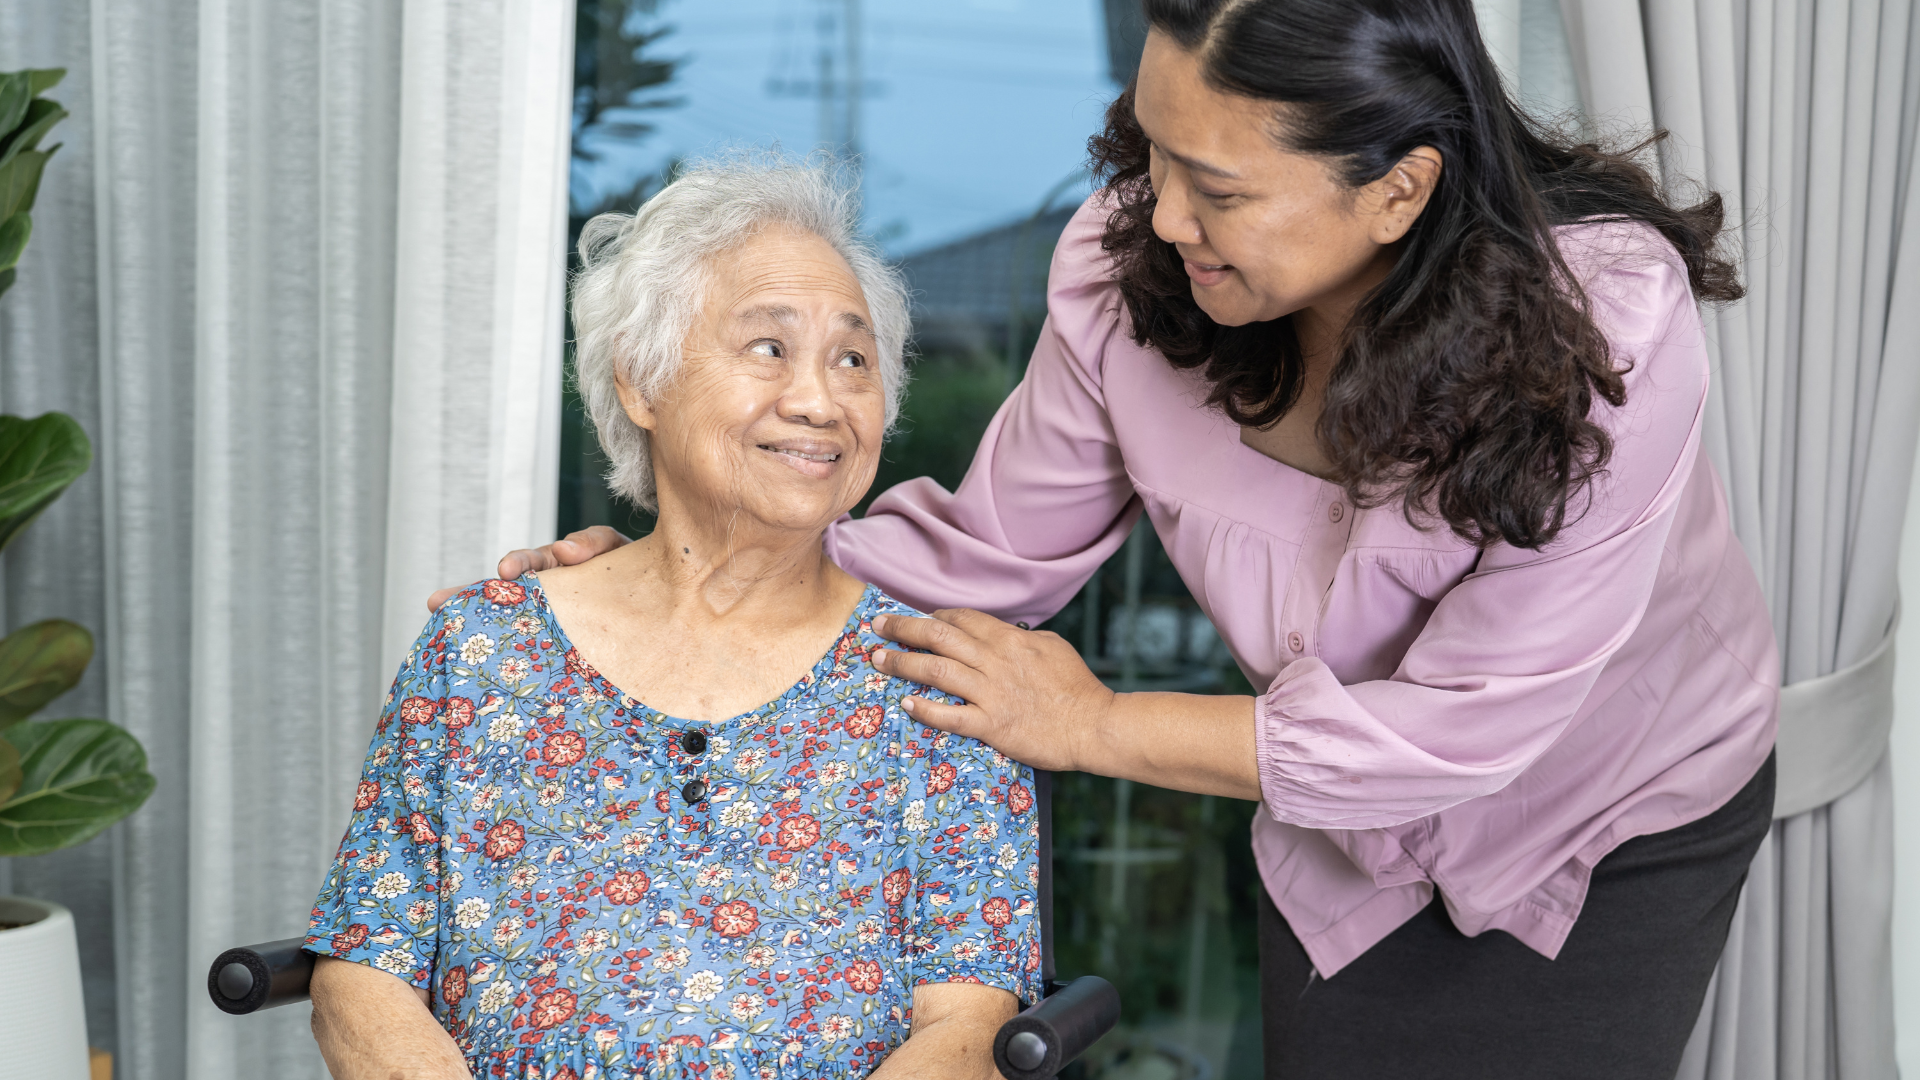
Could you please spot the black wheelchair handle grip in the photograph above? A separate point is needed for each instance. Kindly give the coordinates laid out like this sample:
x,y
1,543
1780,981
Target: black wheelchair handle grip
x,y
1040,1042
264,976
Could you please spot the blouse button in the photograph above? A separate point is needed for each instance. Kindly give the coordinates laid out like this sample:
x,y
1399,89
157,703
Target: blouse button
x,y
1336,512
1296,642
694,791
693,743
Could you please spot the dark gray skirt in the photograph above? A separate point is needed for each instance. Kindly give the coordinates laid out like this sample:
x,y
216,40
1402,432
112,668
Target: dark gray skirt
x,y
1618,1003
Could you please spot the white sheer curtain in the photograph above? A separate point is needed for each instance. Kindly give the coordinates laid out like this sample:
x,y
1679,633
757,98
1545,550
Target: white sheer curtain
x,y
297,271
1802,114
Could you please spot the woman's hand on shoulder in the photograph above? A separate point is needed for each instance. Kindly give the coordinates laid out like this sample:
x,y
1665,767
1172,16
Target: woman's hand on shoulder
x,y
1028,693
575,548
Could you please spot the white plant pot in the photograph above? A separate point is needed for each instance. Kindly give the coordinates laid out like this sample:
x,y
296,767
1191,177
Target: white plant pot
x,y
43,1021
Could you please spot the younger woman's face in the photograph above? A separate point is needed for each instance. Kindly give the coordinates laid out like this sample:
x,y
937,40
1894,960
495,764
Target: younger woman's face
x,y
1264,231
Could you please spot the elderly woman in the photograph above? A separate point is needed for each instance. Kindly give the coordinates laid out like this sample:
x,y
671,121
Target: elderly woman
x,y
657,814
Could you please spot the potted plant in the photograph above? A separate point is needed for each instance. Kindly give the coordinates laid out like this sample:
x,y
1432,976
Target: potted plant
x,y
61,781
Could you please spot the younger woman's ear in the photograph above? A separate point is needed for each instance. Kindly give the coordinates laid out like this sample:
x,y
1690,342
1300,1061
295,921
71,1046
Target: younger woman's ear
x,y
635,404
1402,194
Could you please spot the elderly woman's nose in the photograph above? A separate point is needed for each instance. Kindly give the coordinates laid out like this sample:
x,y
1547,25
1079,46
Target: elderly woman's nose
x,y
809,395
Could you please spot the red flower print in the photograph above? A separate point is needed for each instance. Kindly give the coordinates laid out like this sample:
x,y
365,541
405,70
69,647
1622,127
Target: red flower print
x,y
685,1040
628,886
941,778
566,1073
735,918
575,665
351,938
366,795
422,829
505,840
1019,799
418,710
895,885
798,832
865,721
453,988
997,911
459,713
553,1008
864,976
662,803
504,593
564,748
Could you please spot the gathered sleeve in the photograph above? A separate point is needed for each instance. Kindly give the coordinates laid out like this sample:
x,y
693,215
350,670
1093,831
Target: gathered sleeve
x,y
976,853
380,904
1512,653
1047,499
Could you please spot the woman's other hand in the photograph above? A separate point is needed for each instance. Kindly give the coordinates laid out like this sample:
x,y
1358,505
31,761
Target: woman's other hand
x,y
372,1026
575,548
1028,693
1030,696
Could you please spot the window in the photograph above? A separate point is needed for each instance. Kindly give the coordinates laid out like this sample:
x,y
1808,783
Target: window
x,y
968,121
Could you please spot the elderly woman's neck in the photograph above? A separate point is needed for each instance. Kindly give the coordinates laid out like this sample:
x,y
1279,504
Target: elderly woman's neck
x,y
701,625
723,567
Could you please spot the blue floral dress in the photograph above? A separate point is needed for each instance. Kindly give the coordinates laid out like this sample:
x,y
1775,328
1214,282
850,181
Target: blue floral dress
x,y
591,889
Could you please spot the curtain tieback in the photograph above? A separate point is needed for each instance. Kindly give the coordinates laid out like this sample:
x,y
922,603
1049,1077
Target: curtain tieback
x,y
1833,730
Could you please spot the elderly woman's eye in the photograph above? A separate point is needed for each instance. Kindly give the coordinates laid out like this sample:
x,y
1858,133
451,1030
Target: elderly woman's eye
x,y
765,348
853,359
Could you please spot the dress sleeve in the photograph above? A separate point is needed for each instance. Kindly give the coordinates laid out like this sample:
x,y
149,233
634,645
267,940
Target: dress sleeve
x,y
380,904
1509,656
1047,498
977,880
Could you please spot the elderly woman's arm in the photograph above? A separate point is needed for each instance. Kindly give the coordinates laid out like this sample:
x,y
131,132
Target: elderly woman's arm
x,y
372,1026
952,1039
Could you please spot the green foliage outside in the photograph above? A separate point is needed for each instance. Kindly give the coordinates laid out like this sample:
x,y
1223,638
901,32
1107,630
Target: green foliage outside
x,y
61,781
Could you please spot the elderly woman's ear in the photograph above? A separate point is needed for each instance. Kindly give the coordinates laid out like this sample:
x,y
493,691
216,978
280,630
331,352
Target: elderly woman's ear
x,y
638,409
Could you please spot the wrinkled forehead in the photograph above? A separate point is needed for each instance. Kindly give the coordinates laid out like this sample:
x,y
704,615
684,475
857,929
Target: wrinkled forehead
x,y
786,316
788,279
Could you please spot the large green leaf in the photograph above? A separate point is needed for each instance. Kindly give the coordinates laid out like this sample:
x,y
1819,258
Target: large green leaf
x,y
39,663
41,80
14,232
41,116
6,281
9,770
38,459
20,180
16,89
77,778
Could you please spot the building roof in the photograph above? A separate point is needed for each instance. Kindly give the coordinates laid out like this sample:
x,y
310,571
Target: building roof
x,y
965,292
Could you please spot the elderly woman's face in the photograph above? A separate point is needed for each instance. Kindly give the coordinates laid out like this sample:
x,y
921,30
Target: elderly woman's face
x,y
778,409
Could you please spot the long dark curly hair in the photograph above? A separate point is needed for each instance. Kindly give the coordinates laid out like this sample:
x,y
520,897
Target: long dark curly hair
x,y
1464,383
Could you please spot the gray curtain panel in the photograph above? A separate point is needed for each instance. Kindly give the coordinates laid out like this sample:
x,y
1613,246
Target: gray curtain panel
x,y
1802,114
253,200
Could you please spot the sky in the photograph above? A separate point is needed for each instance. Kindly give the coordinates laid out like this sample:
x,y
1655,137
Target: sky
x,y
977,107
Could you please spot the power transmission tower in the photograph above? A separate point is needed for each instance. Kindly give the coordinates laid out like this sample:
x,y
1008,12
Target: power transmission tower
x,y
837,81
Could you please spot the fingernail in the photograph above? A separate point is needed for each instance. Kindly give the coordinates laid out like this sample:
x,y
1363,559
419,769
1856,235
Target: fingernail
x,y
909,704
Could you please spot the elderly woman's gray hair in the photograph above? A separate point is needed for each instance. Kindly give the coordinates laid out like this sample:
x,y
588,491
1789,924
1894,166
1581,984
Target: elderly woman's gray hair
x,y
644,276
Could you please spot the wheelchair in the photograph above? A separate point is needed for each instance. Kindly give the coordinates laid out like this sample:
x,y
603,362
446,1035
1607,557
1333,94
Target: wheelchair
x,y
1035,1045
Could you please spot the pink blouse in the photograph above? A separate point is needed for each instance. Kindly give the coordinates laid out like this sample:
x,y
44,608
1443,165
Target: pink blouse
x,y
1488,723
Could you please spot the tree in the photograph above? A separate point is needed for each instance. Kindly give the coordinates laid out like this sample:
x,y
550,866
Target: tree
x,y
617,77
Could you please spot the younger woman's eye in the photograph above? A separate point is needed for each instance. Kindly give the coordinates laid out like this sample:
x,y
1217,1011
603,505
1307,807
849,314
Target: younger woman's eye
x,y
766,348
